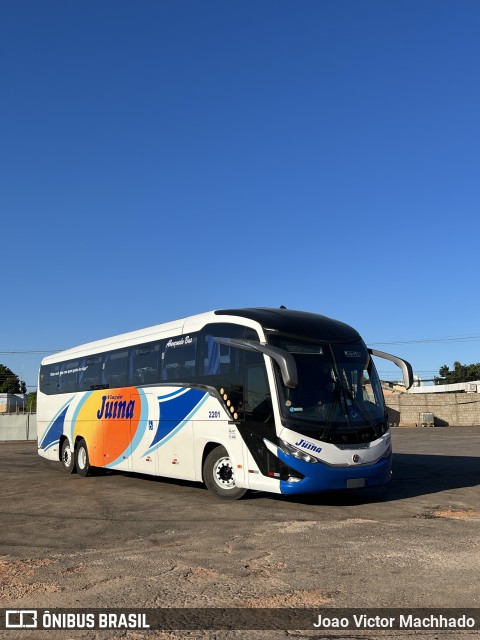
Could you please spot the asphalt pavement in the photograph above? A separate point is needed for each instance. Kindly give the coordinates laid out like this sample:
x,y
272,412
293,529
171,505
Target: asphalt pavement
x,y
118,540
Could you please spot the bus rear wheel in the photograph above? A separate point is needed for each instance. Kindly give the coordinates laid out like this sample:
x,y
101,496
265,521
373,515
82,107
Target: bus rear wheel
x,y
218,475
68,457
81,459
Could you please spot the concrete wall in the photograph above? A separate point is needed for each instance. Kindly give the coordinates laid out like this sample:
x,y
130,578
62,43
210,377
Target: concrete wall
x,y
449,409
18,427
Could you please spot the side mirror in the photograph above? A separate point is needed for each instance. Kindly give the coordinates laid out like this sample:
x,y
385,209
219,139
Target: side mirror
x,y
405,366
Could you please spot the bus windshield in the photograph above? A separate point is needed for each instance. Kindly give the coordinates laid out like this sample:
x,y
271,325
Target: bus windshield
x,y
337,384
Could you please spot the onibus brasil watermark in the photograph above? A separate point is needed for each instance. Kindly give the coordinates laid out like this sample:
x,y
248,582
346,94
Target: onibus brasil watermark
x,y
211,618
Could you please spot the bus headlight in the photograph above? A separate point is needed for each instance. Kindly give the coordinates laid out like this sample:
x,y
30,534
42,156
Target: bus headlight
x,y
290,450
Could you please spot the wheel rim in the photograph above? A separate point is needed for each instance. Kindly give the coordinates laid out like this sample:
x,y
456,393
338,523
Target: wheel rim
x,y
67,455
223,474
82,458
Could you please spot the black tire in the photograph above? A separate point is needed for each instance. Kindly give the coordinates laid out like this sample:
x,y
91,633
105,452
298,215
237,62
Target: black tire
x,y
67,457
218,475
82,461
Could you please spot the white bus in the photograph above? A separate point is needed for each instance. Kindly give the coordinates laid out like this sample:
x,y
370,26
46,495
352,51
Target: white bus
x,y
262,399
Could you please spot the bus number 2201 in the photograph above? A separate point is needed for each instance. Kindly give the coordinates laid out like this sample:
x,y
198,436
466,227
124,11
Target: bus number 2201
x,y
214,414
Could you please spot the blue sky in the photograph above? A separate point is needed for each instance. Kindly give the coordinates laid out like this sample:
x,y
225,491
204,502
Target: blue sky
x,y
160,159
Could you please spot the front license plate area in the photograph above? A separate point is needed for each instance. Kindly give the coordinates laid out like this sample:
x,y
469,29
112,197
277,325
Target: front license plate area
x,y
356,483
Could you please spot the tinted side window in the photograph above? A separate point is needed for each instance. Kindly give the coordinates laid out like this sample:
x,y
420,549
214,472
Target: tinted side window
x,y
68,376
90,375
115,369
256,387
175,359
258,401
178,358
145,362
50,379
220,364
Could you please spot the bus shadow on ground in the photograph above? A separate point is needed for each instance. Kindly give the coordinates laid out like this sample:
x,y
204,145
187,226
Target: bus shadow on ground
x,y
413,475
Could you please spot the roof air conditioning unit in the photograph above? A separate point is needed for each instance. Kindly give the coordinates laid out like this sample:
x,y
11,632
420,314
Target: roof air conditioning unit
x,y
471,387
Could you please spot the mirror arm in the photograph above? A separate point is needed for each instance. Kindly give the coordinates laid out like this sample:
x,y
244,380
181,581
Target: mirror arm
x,y
405,366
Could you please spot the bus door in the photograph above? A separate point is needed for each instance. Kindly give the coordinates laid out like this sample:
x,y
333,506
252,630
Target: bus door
x,y
259,422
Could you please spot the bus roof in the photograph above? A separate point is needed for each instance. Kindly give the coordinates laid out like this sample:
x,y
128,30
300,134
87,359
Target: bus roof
x,y
287,321
298,323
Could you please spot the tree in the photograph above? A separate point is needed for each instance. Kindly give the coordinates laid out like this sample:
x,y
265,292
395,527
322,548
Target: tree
x,y
460,373
10,382
31,403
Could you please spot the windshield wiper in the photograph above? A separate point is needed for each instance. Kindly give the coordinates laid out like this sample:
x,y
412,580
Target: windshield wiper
x,y
339,399
356,404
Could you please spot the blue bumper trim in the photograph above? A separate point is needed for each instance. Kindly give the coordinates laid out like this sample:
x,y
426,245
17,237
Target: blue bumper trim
x,y
320,477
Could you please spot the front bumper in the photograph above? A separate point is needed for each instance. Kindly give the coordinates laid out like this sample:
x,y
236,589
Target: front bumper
x,y
320,477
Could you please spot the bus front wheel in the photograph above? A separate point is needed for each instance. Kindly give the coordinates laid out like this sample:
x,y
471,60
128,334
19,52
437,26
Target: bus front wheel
x,y
218,475
67,457
81,459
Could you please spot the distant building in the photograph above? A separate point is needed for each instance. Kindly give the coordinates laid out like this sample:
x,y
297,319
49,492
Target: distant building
x,y
459,387
419,386
390,388
12,402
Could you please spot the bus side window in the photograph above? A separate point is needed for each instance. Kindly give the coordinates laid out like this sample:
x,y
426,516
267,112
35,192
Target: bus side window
x,y
258,401
211,359
178,359
116,369
218,364
145,364
68,376
90,376
50,379
219,359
